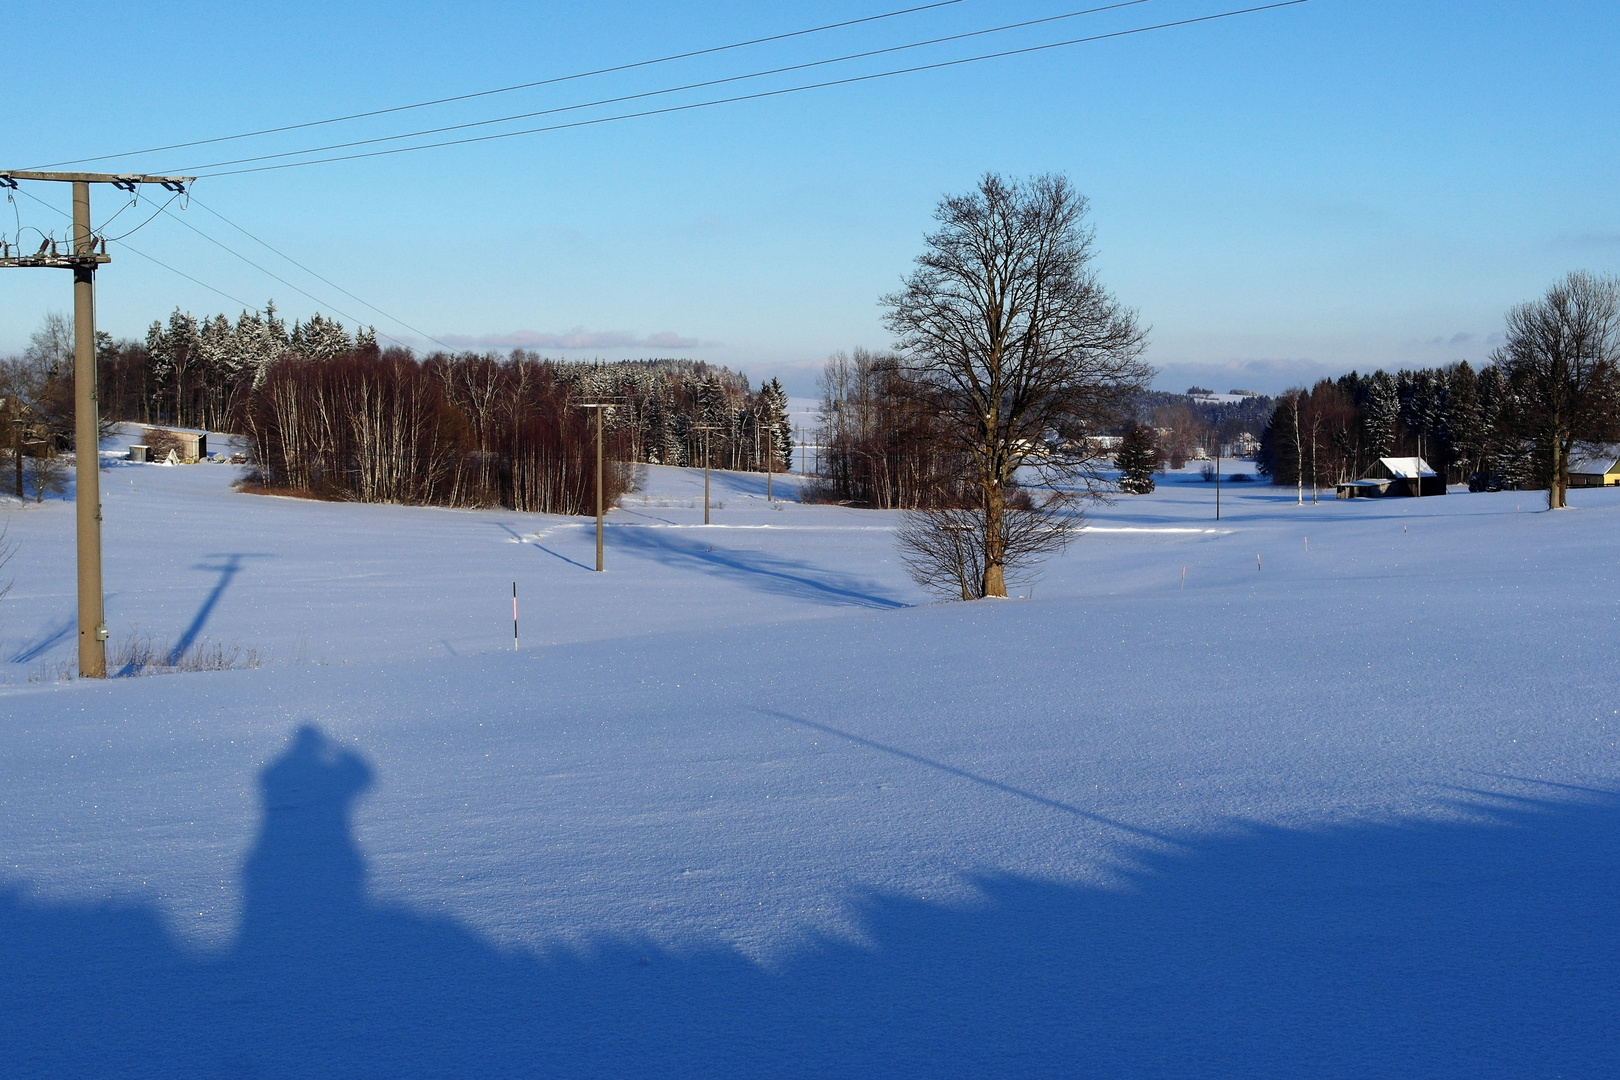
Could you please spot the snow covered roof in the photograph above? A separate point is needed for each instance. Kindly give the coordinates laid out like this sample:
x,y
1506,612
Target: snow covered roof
x,y
1598,460
1404,468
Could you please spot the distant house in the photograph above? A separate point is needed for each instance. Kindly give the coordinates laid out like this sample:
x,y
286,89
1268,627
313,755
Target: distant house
x,y
1395,476
1244,446
1599,467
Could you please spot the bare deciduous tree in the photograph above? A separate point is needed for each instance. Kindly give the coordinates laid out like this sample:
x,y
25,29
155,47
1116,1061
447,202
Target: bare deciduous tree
x,y
1020,351
943,548
1560,358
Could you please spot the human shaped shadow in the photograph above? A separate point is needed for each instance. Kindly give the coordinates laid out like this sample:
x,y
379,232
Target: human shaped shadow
x,y
305,877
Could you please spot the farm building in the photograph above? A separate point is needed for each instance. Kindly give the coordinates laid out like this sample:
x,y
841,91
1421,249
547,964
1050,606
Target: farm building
x,y
1599,467
1395,476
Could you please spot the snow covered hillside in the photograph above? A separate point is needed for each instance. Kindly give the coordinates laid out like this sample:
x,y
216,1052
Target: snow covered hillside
x,y
1344,804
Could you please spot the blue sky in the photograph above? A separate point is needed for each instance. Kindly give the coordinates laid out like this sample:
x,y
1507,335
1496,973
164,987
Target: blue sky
x,y
1281,195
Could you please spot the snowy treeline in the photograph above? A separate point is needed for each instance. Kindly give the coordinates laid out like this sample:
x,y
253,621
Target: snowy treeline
x,y
471,430
194,372
197,372
1469,422
331,414
663,408
1553,385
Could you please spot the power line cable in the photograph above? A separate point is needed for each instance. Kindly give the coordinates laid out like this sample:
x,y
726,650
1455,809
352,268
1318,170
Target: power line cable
x,y
520,86
270,273
164,210
670,90
763,93
133,199
142,225
144,255
266,245
136,251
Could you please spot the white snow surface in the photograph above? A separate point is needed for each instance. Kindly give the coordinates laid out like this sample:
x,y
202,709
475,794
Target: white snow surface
x,y
1322,790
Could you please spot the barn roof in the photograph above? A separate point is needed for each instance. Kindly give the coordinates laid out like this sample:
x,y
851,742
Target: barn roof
x,y
1598,460
1404,468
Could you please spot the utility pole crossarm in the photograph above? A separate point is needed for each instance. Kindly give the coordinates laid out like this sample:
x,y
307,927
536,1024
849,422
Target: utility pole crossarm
x,y
127,181
55,261
84,254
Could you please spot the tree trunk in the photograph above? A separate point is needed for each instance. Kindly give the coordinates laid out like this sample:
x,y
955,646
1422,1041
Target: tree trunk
x,y
995,582
1558,483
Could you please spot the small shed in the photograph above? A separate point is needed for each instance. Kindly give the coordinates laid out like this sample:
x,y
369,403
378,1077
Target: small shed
x,y
1395,476
1597,467
193,445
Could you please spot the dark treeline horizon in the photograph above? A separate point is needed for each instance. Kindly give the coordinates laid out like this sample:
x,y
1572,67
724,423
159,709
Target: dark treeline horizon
x,y
1468,425
330,415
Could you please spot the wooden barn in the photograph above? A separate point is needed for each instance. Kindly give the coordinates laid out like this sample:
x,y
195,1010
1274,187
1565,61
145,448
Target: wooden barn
x,y
1395,476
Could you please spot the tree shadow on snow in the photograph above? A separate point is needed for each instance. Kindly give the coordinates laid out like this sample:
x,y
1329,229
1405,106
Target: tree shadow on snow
x,y
768,573
1488,947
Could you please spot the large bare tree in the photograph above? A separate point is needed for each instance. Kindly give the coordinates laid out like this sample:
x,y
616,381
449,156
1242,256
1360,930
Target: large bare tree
x,y
1006,329
1561,356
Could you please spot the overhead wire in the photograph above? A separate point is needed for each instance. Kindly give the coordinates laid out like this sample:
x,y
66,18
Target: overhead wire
x,y
867,54
759,95
519,86
133,199
270,273
149,258
164,209
142,225
267,246
136,251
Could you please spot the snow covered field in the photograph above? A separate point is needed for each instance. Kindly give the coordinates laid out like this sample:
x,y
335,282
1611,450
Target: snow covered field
x,y
751,804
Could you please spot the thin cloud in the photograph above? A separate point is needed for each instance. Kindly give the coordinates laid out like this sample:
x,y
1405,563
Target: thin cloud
x,y
1590,239
577,338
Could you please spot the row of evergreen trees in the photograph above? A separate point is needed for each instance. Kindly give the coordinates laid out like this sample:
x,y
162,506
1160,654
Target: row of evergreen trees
x,y
193,372
1467,425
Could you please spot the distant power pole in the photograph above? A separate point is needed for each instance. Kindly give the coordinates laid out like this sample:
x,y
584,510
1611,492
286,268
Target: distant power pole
x,y
705,428
601,410
770,461
83,258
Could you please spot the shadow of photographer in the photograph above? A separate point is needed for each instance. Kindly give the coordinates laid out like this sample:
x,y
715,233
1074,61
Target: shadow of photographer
x,y
1483,946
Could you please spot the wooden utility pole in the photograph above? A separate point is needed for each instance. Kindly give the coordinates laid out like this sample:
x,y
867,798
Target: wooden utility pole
x,y
601,409
705,428
1418,468
82,258
770,465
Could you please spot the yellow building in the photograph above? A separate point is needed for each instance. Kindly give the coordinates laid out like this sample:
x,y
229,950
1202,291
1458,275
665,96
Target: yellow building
x,y
1598,468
